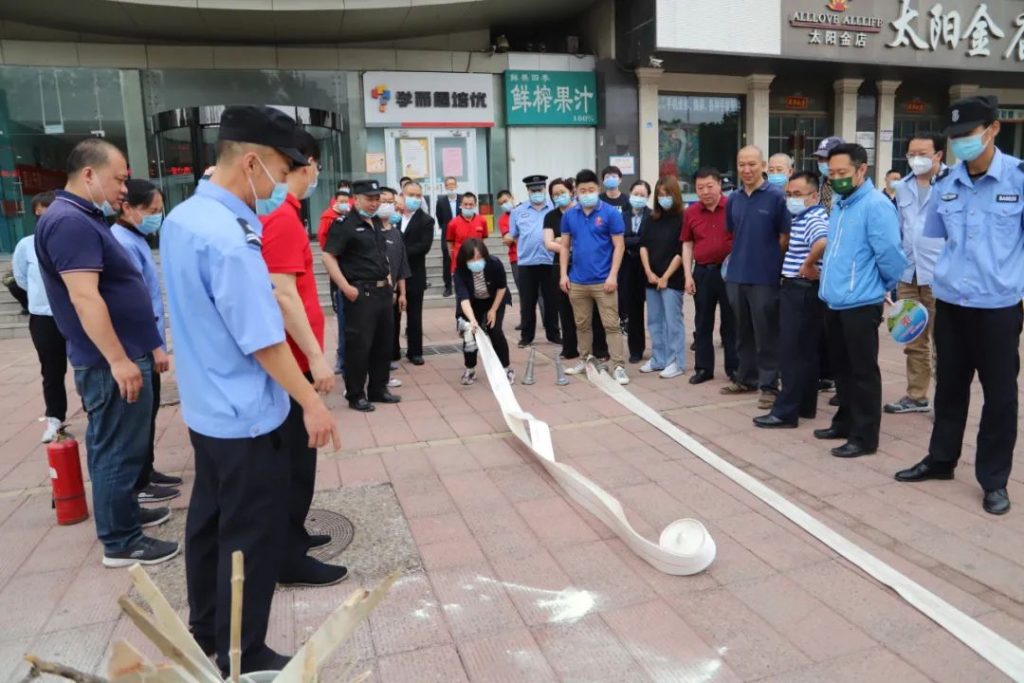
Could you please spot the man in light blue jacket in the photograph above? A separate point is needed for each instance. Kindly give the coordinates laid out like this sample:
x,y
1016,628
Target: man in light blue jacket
x,y
863,261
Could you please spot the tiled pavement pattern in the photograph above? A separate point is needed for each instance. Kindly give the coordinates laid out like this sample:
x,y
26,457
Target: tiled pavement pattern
x,y
522,585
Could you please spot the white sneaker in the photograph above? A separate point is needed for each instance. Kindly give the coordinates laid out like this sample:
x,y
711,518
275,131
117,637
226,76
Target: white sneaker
x,y
620,375
394,382
578,368
511,374
468,377
673,370
648,367
53,428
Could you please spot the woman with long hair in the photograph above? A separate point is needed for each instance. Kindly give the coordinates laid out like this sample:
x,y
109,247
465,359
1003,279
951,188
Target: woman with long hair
x,y
481,291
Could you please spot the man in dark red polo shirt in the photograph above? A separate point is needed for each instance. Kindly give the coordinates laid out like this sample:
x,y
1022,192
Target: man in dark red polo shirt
x,y
289,259
706,245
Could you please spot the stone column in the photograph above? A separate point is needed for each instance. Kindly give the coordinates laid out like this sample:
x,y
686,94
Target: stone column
x,y
884,152
647,93
846,108
758,108
134,123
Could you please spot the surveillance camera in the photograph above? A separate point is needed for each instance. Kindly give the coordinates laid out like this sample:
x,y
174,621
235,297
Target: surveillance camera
x,y
654,62
502,45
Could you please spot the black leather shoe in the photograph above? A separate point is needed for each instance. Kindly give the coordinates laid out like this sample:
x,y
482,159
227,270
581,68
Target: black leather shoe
x,y
997,502
312,572
362,405
416,360
808,416
318,540
524,344
829,433
447,292
266,660
772,422
923,471
852,450
386,397
700,376
834,401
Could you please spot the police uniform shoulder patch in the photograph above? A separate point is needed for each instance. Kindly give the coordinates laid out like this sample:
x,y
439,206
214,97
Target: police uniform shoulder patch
x,y
949,196
942,174
1021,166
251,238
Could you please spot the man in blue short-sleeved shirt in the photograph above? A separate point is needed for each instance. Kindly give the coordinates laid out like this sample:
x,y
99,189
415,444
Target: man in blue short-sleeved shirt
x,y
759,221
977,207
235,372
101,307
592,232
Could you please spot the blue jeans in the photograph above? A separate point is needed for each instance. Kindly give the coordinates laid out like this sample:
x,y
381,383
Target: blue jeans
x,y
665,323
339,309
117,447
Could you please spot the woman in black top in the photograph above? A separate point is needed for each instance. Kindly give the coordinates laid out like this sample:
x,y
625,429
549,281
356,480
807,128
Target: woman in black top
x,y
660,256
631,273
561,192
481,291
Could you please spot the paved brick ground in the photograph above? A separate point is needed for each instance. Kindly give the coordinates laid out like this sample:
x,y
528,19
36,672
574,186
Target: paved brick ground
x,y
522,585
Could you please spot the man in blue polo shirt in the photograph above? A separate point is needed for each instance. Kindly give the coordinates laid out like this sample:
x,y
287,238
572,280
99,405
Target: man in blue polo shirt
x,y
759,221
977,206
592,232
102,308
235,373
536,280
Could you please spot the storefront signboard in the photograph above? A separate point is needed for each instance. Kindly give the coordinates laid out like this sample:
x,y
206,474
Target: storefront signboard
x,y
411,99
551,98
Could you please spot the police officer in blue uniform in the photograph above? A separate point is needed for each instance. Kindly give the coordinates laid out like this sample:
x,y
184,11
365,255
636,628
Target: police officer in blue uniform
x,y
235,372
978,208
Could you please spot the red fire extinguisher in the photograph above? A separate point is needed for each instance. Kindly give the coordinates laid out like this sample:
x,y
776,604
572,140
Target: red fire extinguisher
x,y
66,479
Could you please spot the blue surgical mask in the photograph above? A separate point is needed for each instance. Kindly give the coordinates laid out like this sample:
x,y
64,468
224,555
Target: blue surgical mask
x,y
476,266
538,198
468,213
150,224
367,214
105,207
588,199
777,179
823,169
395,219
562,200
637,202
413,204
665,202
795,205
968,148
612,182
507,206
312,186
276,198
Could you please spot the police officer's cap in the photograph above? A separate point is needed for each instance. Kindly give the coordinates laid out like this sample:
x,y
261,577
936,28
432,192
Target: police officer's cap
x,y
827,145
370,188
535,180
261,126
967,114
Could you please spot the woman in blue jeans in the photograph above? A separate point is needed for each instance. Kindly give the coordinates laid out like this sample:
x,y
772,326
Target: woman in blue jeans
x,y
662,264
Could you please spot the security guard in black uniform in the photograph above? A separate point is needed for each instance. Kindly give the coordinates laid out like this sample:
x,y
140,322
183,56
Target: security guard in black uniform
x,y
355,255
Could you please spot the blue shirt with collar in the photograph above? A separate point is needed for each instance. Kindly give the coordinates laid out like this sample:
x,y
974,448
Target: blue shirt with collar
x,y
526,225
756,220
137,247
25,265
73,237
912,202
982,221
222,310
592,246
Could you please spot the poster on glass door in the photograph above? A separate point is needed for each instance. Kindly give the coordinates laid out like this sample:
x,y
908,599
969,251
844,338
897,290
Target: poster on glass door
x,y
413,99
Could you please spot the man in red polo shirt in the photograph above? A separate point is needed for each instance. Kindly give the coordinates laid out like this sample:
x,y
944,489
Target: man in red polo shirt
x,y
706,245
289,259
469,224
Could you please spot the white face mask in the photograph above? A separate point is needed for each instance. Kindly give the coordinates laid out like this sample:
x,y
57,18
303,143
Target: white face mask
x,y
386,210
920,165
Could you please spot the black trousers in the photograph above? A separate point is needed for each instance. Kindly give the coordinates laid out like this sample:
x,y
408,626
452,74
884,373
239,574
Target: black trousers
x,y
19,294
369,322
800,316
853,343
413,320
710,295
986,341
756,309
301,482
536,282
632,297
236,505
824,357
147,467
53,362
570,343
446,264
496,334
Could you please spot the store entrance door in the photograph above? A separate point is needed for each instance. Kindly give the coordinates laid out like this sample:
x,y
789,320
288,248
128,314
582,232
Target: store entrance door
x,y
184,143
428,156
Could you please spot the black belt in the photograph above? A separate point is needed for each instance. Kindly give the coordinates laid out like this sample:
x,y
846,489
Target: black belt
x,y
800,282
370,283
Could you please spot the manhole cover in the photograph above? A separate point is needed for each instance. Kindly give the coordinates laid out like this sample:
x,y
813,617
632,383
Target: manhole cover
x,y
336,525
441,349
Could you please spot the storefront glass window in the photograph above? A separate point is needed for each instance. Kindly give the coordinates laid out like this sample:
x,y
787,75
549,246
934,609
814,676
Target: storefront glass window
x,y
799,120
1011,131
917,111
696,131
44,112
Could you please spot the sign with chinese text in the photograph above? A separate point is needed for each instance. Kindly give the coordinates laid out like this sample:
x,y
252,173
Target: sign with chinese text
x,y
413,99
551,98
